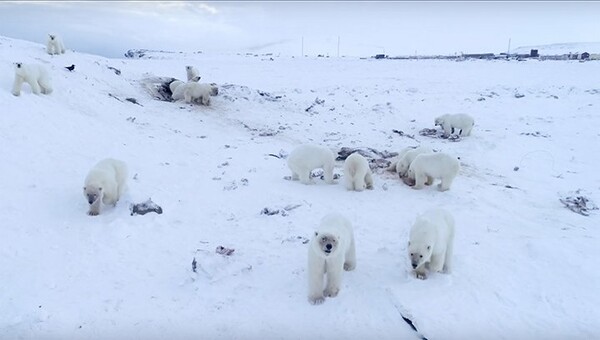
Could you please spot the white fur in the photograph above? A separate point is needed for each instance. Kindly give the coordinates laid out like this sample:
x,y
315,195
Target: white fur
x,y
357,173
427,167
455,124
196,92
342,257
431,242
305,158
408,157
35,75
192,73
173,86
105,183
55,45
394,160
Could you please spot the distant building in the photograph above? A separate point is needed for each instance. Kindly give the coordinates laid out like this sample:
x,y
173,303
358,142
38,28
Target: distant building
x,y
585,56
380,56
479,56
534,54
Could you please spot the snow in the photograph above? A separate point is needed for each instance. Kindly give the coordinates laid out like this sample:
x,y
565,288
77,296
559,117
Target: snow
x,y
524,266
560,48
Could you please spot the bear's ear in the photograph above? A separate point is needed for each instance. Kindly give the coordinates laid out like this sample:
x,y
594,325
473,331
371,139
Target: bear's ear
x,y
428,247
409,243
316,233
100,189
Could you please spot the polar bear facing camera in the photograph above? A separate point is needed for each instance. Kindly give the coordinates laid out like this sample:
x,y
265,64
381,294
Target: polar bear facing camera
x,y
408,157
430,244
305,158
196,92
105,183
192,73
357,173
55,45
427,167
455,124
330,251
35,75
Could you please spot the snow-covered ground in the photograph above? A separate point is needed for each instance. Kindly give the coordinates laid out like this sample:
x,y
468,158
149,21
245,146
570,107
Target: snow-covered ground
x,y
525,267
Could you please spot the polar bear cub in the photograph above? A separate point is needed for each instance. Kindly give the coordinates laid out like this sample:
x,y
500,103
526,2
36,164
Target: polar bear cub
x,y
105,183
174,85
330,251
427,167
357,173
408,157
55,45
431,242
192,73
455,124
305,158
35,75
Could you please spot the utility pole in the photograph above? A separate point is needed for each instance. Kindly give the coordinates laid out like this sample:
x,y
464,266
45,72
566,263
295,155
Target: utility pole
x,y
302,55
508,52
338,47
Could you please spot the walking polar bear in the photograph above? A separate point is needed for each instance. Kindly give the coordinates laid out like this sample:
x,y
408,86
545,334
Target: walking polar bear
x,y
455,124
55,45
35,75
191,92
431,243
330,251
357,173
105,183
427,167
305,158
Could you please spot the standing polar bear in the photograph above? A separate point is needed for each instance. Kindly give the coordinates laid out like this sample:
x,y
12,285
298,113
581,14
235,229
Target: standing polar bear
x,y
55,45
431,243
192,73
406,160
35,75
196,92
105,183
357,173
305,158
330,251
427,167
455,124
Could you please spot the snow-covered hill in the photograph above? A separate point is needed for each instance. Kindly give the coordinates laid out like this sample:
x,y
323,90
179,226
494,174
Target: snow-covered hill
x,y
560,48
524,265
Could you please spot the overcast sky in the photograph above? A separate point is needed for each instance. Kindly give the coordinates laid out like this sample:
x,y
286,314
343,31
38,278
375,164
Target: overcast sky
x,y
110,28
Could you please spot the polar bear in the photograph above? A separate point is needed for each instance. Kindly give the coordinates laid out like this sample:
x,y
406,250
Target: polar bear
x,y
35,75
192,73
408,157
174,85
197,92
330,251
455,124
305,158
394,160
105,183
357,173
430,242
55,45
429,166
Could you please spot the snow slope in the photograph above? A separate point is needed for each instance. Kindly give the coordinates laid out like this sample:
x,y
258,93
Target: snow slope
x,y
524,267
561,48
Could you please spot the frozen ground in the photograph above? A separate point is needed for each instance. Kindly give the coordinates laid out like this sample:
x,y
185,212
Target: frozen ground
x,y
525,267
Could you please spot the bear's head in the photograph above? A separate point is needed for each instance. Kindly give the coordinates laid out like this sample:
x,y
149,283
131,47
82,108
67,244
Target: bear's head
x,y
419,254
439,121
51,36
92,193
18,65
326,243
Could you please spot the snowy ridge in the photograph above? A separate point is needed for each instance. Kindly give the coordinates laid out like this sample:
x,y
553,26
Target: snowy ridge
x,y
523,267
560,48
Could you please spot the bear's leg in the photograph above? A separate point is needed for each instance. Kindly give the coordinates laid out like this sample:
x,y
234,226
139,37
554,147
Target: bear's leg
x,y
17,86
45,86
350,261
419,180
369,181
95,207
294,176
334,278
315,280
206,99
437,262
429,180
349,182
35,87
328,173
187,97
446,183
421,273
448,259
359,183
305,177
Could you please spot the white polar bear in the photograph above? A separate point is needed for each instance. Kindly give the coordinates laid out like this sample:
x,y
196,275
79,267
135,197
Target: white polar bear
x,y
105,183
196,92
357,173
330,251
173,86
408,157
394,160
429,166
431,243
305,158
55,45
455,124
35,75
192,73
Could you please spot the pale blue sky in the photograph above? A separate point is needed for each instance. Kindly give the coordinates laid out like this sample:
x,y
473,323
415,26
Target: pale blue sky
x,y
110,28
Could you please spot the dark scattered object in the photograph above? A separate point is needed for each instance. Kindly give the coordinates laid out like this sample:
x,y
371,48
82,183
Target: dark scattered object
x,y
368,153
224,251
316,102
319,173
535,134
158,87
145,207
519,95
269,211
428,132
516,168
194,265
133,100
70,68
401,133
117,71
579,204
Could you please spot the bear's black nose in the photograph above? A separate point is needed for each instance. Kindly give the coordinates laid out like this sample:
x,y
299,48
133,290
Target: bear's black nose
x,y
328,246
414,265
